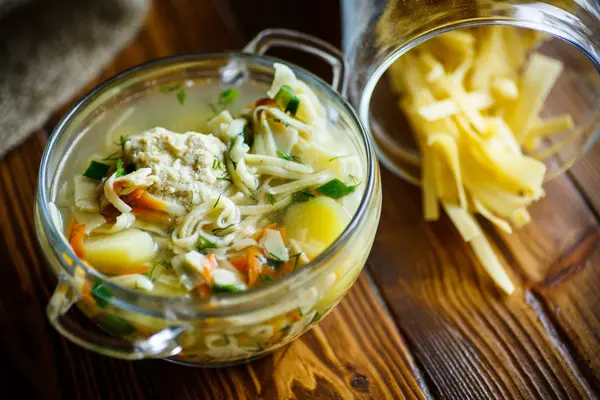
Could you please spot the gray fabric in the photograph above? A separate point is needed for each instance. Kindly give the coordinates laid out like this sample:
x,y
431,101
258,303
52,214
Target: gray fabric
x,y
49,49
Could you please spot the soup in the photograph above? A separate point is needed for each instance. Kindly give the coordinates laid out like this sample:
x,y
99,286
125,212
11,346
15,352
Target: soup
x,y
196,193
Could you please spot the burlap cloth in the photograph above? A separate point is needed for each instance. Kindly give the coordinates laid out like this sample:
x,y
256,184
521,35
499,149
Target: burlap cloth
x,y
49,49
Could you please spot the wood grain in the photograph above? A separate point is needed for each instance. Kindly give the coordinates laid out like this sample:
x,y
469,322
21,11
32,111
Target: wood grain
x,y
586,177
472,341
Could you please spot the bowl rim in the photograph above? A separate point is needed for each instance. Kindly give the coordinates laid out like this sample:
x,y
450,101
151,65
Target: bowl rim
x,y
127,298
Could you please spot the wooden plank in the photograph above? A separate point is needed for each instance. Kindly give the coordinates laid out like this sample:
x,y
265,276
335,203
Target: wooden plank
x,y
586,175
355,352
472,341
560,222
575,305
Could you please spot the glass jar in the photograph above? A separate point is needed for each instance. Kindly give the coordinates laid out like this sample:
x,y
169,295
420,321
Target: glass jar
x,y
379,32
228,328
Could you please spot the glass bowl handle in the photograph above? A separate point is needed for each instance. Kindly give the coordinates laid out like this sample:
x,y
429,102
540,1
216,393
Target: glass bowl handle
x,y
160,345
301,41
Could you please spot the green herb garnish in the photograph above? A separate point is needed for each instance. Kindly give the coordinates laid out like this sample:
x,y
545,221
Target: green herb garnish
x,y
217,164
302,196
177,87
288,157
115,324
274,257
181,95
112,156
292,106
228,96
213,108
163,263
217,202
96,170
286,99
229,156
315,318
170,88
296,257
281,122
222,229
248,136
272,199
150,272
122,141
342,156
336,189
273,261
101,294
204,243
266,278
227,288
120,169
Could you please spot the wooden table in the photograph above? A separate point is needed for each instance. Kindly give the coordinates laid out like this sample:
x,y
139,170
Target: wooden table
x,y
422,321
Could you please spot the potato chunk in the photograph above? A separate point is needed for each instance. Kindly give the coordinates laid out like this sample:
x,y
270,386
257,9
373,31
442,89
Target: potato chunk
x,y
318,222
116,253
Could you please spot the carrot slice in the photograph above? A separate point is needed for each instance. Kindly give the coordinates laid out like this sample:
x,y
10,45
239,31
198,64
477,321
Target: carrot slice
x,y
254,265
296,315
210,265
86,293
241,264
86,288
75,234
142,269
287,267
265,101
117,186
133,196
203,290
151,215
147,201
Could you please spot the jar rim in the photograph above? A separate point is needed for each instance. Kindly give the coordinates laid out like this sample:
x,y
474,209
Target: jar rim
x,y
206,307
537,20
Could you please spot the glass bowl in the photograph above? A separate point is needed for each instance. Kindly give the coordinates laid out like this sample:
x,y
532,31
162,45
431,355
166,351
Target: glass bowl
x,y
229,328
379,32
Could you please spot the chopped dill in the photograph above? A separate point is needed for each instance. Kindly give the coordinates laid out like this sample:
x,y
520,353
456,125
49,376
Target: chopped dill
x,y
288,157
181,95
217,202
226,97
296,257
217,164
222,229
337,157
